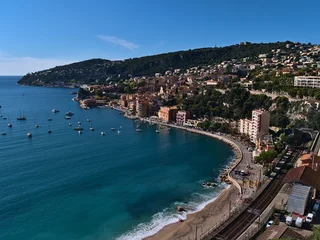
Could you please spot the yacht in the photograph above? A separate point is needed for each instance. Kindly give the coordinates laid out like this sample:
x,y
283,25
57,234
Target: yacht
x,y
9,125
67,117
55,110
103,133
78,128
21,118
138,130
69,113
29,135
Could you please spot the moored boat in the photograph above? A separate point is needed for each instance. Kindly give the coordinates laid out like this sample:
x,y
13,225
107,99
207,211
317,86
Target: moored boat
x,y
69,113
103,133
78,128
55,110
29,135
138,130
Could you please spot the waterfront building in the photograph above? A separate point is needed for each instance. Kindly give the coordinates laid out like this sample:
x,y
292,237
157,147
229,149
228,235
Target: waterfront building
x,y
260,124
182,117
307,81
168,114
245,126
142,108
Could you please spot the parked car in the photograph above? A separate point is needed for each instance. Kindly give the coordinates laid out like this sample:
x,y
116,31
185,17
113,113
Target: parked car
x,y
288,220
269,223
299,222
309,218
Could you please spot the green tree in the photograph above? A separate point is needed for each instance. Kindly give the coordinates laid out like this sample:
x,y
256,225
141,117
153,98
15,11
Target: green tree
x,y
266,157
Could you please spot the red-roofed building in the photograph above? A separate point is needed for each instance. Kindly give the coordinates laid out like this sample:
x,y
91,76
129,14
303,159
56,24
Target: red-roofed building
x,y
304,175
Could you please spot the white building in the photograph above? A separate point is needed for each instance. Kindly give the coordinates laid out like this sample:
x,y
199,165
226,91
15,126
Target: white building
x,y
307,81
245,126
260,124
182,117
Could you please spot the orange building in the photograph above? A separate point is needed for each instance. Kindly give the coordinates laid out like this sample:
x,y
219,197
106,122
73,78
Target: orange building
x,y
168,114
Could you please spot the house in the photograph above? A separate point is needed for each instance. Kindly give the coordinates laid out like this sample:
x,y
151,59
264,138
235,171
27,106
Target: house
x,y
303,175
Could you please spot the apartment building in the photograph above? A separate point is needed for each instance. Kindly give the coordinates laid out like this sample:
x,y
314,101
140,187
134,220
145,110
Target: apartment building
x,y
307,81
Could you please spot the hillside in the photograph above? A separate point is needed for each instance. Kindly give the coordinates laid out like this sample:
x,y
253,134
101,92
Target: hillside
x,y
100,70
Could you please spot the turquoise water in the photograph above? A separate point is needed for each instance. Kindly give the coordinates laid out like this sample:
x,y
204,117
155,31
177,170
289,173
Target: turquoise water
x,y
119,186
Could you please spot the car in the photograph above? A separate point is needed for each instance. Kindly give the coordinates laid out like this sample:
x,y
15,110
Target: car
x,y
269,223
316,207
309,218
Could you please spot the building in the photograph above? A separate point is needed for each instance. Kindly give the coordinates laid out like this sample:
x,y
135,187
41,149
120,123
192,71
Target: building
x,y
307,81
182,117
303,175
167,114
298,199
142,108
245,126
260,124
279,232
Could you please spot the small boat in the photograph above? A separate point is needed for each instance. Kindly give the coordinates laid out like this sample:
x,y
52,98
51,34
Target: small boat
x,y
157,131
29,135
88,120
4,118
67,117
55,110
103,133
49,119
113,129
0,115
138,130
21,118
79,123
49,131
91,129
80,132
78,128
9,125
36,125
119,132
3,134
209,184
70,124
69,113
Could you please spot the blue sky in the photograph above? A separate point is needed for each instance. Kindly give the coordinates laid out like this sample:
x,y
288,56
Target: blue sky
x,y
37,34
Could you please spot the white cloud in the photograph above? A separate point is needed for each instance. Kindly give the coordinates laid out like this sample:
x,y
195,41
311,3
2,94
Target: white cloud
x,y
10,65
118,41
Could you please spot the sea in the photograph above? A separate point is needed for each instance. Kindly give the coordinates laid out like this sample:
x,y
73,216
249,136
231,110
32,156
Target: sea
x,y
123,185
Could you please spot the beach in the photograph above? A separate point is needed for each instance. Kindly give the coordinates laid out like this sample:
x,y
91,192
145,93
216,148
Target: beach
x,y
203,220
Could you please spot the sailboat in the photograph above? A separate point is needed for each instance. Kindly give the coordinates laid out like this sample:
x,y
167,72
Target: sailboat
x,y
91,128
21,117
49,131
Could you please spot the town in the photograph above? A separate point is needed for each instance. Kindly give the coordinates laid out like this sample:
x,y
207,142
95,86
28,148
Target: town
x,y
269,104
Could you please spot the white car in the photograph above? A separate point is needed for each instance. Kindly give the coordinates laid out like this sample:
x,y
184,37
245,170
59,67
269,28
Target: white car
x,y
269,223
309,218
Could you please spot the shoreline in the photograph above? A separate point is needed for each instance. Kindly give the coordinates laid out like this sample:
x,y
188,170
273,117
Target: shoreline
x,y
214,212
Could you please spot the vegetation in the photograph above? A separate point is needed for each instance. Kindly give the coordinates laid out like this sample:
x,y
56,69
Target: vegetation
x,y
266,157
100,70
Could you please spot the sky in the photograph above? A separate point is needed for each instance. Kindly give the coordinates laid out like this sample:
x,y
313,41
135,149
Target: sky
x,y
36,34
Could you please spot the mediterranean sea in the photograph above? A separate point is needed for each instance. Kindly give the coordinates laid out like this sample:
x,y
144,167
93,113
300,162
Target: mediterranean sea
x,y
69,186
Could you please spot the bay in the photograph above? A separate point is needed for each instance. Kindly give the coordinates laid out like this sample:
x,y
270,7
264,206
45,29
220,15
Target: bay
x,y
65,185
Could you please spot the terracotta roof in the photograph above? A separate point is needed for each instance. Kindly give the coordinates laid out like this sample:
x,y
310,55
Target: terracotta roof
x,y
276,232
305,175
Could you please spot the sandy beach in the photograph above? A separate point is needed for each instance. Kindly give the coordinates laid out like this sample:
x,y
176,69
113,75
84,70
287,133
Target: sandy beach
x,y
203,220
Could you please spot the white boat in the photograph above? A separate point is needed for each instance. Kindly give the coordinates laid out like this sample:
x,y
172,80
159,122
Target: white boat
x,y
79,123
157,131
29,135
103,133
67,117
69,113
91,129
113,129
36,125
55,110
138,130
88,120
80,132
70,124
9,125
78,128
119,132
